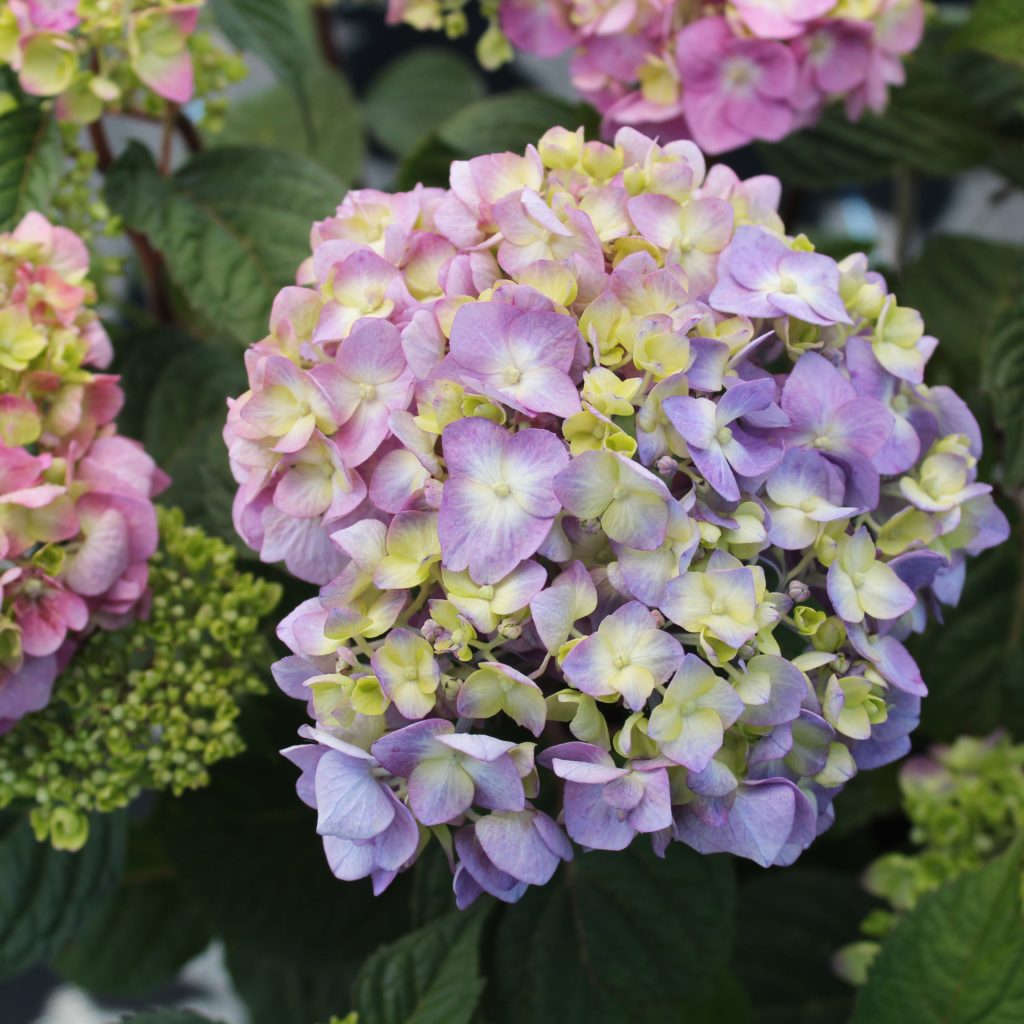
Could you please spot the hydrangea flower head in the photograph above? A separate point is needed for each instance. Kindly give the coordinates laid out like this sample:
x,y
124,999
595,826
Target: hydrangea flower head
x,y
723,73
90,57
617,445
77,522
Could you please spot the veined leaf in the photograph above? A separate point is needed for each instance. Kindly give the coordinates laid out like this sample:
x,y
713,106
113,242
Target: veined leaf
x,y
46,895
957,957
232,225
30,163
431,976
417,93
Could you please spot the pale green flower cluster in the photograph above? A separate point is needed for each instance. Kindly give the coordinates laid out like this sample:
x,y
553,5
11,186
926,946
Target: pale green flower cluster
x,y
965,803
152,706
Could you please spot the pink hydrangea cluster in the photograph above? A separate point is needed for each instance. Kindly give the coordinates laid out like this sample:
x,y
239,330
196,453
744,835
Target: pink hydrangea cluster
x,y
720,72
89,54
77,524
622,502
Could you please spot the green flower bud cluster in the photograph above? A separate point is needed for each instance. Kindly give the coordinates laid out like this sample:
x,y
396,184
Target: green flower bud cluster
x,y
965,803
492,48
151,706
76,205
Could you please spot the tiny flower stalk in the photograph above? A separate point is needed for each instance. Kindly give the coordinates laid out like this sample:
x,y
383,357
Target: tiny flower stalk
x,y
622,503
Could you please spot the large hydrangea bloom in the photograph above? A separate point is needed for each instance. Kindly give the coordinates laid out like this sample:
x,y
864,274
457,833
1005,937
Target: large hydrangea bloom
x,y
722,73
77,523
622,503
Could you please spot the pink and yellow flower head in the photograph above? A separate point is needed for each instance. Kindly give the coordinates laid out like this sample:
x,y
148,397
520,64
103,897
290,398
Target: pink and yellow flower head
x,y
723,73
568,448
77,524
88,55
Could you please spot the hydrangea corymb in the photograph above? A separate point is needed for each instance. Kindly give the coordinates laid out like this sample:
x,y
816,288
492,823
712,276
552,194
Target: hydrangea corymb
x,y
77,522
723,72
622,503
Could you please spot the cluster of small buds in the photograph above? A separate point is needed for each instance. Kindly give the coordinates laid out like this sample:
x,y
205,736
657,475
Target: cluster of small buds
x,y
153,705
94,54
492,49
965,803
77,523
723,73
614,491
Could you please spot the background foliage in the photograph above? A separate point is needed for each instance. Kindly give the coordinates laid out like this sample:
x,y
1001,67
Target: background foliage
x,y
622,938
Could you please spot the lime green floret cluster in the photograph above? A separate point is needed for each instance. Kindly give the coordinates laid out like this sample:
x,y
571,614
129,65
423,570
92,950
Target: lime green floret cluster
x,y
965,803
152,706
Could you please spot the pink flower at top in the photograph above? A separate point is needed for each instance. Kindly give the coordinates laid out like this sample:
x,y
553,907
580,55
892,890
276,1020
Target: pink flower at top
x,y
734,89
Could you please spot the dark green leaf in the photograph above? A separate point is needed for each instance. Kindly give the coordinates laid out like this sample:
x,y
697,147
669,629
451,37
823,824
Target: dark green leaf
x,y
175,387
30,163
617,938
417,93
247,852
269,29
792,921
510,121
946,119
277,992
961,286
233,225
957,957
996,27
139,940
269,119
431,976
47,895
183,428
974,662
1004,383
428,163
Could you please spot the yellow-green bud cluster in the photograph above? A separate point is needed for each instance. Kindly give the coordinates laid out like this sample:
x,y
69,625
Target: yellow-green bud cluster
x,y
965,803
152,706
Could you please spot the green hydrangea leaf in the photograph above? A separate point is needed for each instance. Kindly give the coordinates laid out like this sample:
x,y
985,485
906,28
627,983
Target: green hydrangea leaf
x,y
249,835
417,93
617,938
232,225
955,112
268,119
276,992
975,662
962,286
30,162
957,957
270,29
47,895
142,937
511,121
429,162
996,27
431,976
1004,383
809,913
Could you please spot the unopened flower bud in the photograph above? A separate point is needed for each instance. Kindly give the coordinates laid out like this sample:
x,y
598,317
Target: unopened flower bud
x,y
798,591
510,629
432,493
830,635
666,466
